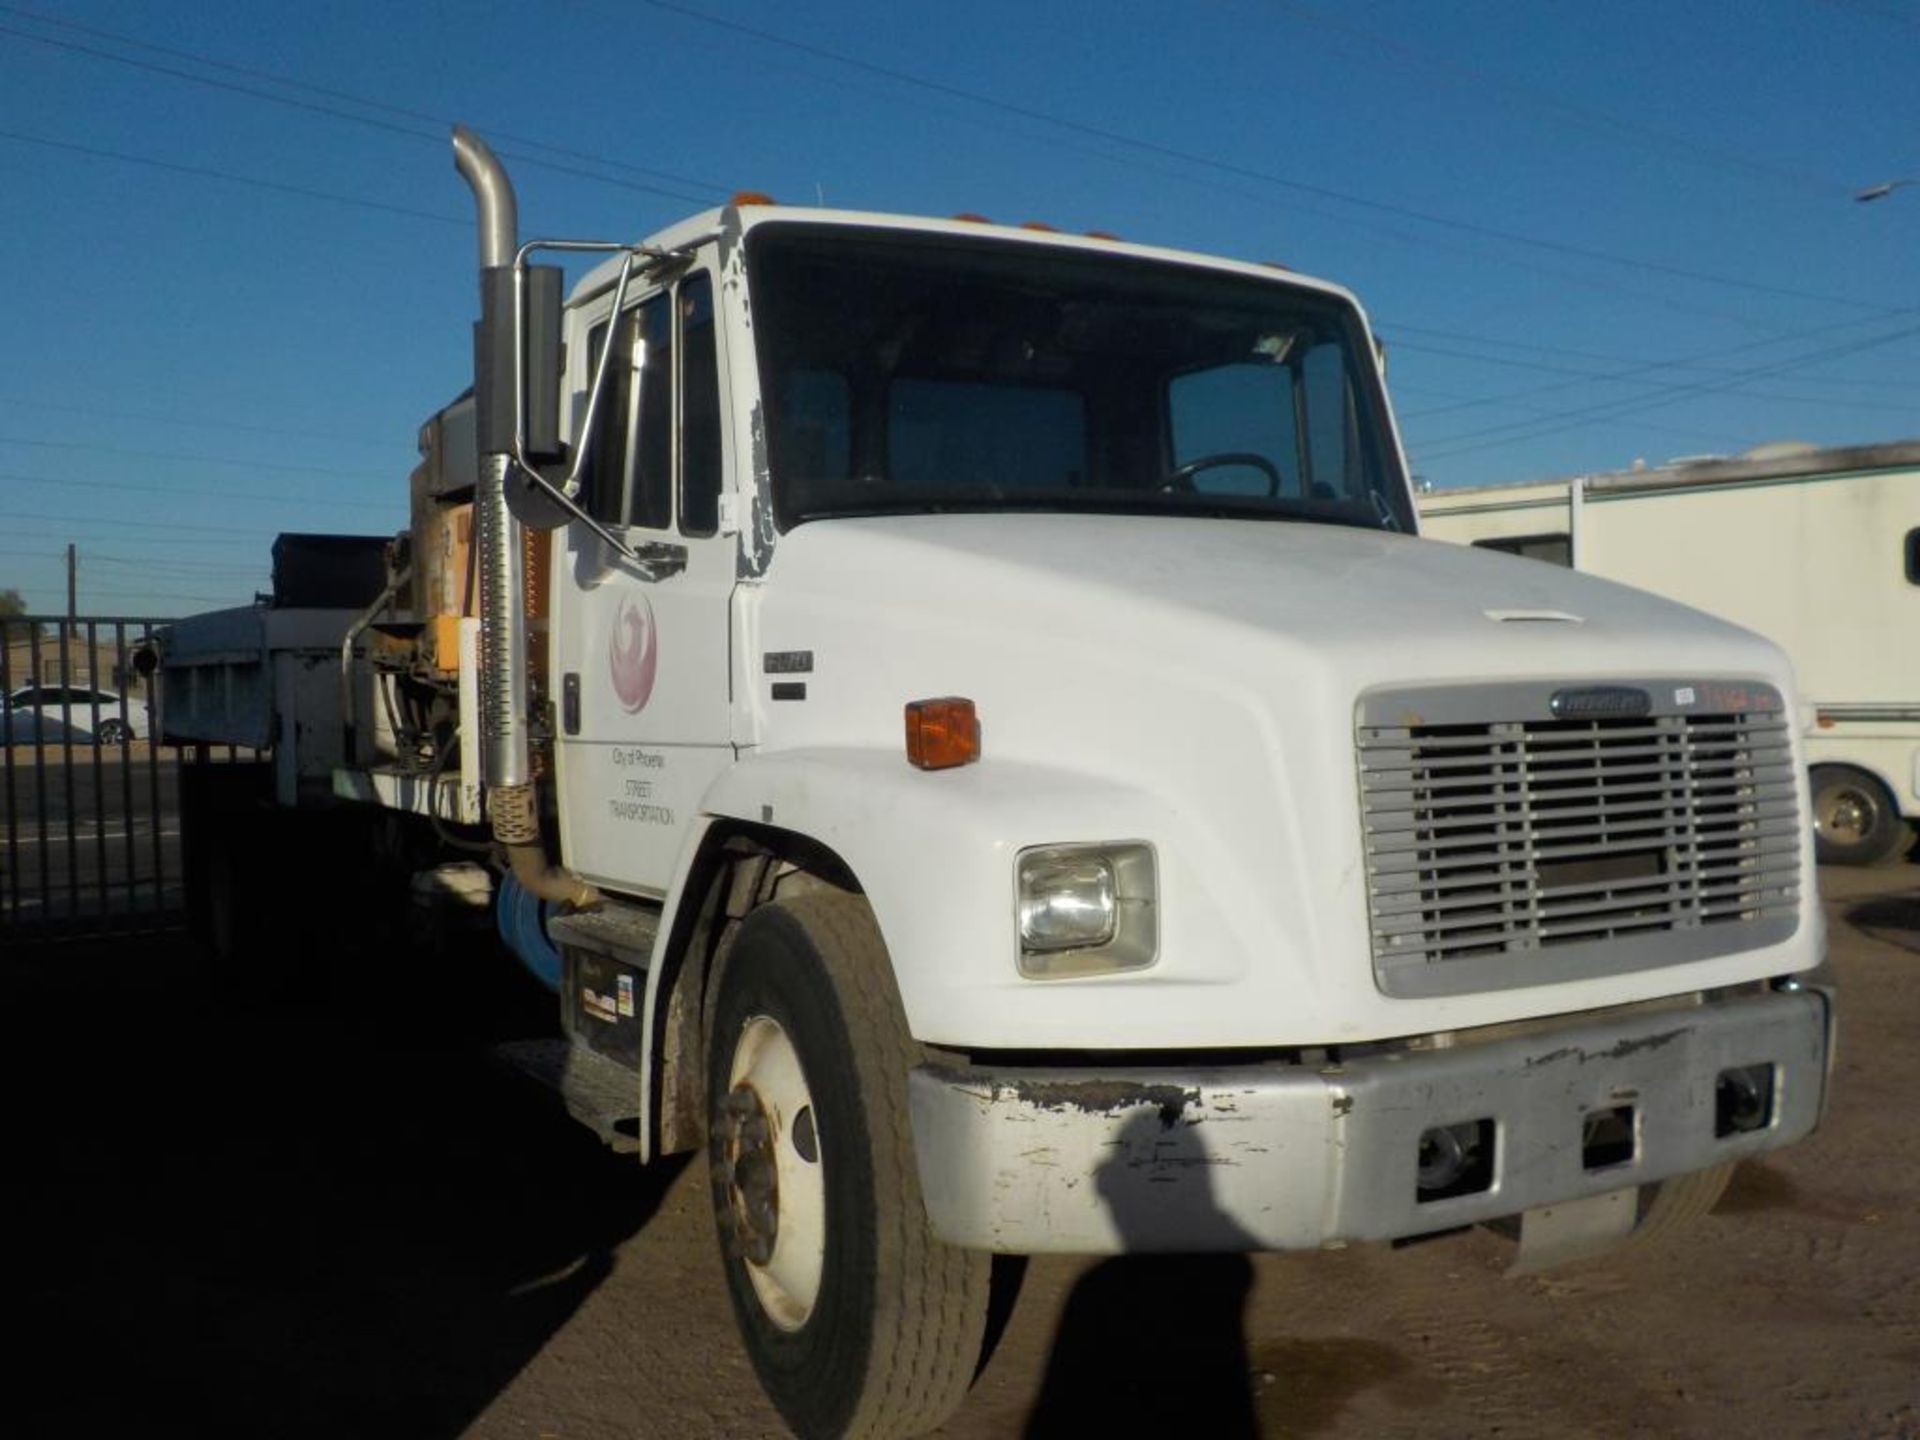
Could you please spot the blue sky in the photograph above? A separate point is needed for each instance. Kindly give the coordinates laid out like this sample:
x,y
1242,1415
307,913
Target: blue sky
x,y
239,263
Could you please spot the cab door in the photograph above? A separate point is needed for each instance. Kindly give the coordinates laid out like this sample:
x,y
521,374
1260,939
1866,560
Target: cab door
x,y
640,672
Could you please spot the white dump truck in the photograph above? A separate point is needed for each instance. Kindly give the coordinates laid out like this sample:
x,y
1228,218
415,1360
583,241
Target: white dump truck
x,y
1816,548
963,718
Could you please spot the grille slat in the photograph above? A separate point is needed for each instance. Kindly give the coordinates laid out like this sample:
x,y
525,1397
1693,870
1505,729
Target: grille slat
x,y
1401,780
1705,729
1465,832
1486,872
1395,776
1509,842
1545,913
1466,891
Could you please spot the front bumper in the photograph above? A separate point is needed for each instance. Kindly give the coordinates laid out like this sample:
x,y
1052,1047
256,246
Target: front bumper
x,y
1287,1157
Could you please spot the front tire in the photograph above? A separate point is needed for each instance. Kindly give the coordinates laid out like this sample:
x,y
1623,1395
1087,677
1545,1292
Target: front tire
x,y
1672,1205
858,1320
1855,821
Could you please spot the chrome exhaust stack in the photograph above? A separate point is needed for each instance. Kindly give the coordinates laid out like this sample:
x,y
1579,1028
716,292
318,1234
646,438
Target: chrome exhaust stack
x,y
505,753
506,765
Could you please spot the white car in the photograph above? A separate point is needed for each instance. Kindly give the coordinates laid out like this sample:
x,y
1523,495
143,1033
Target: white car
x,y
55,713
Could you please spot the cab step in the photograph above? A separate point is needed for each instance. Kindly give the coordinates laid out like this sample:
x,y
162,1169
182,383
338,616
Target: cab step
x,y
617,930
601,1094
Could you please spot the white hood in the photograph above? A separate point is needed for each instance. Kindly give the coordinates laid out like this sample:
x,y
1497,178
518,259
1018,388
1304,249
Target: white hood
x,y
1208,670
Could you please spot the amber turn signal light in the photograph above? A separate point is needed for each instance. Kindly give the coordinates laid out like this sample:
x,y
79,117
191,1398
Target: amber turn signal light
x,y
942,733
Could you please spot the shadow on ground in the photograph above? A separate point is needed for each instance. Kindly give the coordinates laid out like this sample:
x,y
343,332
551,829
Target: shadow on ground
x,y
279,1221
1157,1344
1892,918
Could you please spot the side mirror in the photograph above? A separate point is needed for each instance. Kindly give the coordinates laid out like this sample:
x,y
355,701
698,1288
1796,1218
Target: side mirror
x,y
528,351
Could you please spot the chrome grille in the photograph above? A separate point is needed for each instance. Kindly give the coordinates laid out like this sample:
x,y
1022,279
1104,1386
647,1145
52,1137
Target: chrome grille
x,y
1522,851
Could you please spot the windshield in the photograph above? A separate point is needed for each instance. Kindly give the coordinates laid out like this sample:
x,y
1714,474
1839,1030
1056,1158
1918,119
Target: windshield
x,y
905,372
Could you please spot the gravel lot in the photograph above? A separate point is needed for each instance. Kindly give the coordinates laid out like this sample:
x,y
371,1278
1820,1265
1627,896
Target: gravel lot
x,y
294,1222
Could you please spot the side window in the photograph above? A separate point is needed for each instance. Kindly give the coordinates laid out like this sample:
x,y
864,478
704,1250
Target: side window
x,y
606,468
630,453
650,450
1246,408
699,409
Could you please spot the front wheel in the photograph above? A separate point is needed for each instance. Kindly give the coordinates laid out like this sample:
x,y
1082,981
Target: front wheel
x,y
1670,1205
858,1320
1855,821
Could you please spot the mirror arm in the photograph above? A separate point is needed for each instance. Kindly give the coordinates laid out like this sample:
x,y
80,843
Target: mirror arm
x,y
655,560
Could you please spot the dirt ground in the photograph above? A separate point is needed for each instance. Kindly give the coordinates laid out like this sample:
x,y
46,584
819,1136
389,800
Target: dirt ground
x,y
292,1222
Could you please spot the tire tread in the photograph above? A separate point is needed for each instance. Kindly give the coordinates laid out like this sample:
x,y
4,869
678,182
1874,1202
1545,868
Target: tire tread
x,y
917,1379
1678,1203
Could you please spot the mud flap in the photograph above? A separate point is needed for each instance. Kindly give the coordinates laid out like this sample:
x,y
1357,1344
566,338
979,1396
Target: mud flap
x,y
1575,1229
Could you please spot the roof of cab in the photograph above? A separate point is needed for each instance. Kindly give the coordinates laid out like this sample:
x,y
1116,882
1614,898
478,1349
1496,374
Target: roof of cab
x,y
737,219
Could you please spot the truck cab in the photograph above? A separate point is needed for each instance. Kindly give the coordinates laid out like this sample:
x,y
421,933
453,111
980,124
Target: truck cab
x,y
1271,833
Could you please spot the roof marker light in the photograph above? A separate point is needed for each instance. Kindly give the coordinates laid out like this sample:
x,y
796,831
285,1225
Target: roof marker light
x,y
972,219
752,197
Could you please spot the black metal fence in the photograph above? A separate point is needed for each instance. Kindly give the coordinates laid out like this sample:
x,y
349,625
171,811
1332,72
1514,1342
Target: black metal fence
x,y
91,797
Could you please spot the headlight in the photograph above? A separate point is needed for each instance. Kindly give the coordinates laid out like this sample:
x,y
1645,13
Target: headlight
x,y
1086,909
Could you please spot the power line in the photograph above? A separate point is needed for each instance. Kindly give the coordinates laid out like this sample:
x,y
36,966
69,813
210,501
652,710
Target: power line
x,y
1427,241
933,86
1189,157
954,92
1904,388
1878,12
1639,368
211,493
120,521
314,108
196,566
228,177
175,547
1911,407
381,106
1483,81
147,417
1611,410
133,454
144,594
52,556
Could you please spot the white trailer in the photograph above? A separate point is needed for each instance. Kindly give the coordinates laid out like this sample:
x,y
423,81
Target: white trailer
x,y
1818,549
960,716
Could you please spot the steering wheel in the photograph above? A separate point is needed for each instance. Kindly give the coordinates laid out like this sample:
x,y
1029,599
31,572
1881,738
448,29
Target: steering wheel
x,y
1181,479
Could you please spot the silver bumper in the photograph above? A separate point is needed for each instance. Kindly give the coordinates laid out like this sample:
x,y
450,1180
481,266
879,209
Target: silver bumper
x,y
1287,1157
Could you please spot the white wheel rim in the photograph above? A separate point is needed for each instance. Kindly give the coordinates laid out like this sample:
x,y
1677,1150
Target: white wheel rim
x,y
766,1064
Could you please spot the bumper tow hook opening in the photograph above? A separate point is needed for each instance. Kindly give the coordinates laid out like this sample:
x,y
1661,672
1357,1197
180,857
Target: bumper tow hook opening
x,y
1742,1100
1454,1160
